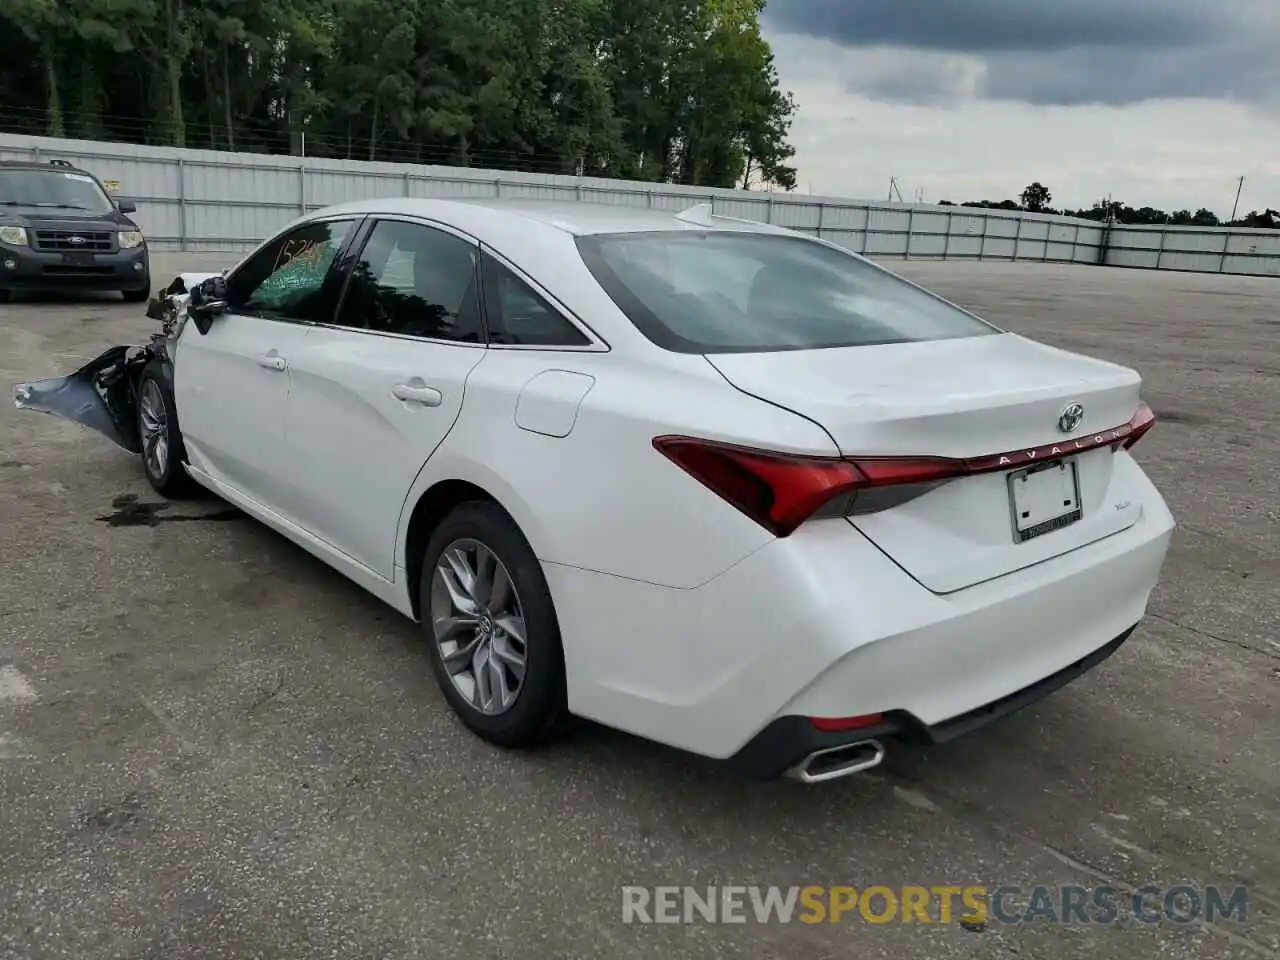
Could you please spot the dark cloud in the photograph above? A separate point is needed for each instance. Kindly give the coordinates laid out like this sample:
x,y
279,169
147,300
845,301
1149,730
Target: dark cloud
x,y
1052,51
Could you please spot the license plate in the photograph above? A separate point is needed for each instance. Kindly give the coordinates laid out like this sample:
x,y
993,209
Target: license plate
x,y
78,259
1044,498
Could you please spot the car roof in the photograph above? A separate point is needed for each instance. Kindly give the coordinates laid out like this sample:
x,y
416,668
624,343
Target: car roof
x,y
38,165
573,217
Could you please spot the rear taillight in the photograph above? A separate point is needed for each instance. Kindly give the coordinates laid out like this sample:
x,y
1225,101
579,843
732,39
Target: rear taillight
x,y
1142,421
780,491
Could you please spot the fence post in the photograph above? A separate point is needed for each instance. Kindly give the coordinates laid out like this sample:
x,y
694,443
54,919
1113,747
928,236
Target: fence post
x,y
1226,245
769,212
822,215
497,187
408,184
1075,244
182,205
302,189
649,195
35,153
911,222
1164,231
1106,241
946,238
982,240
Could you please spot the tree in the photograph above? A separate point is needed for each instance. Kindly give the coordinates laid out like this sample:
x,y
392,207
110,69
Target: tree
x,y
666,90
1036,197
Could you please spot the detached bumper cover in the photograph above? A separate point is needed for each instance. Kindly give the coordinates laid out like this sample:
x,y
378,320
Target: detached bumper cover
x,y
100,395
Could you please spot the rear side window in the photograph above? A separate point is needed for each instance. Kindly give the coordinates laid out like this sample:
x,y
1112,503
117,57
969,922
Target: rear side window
x,y
727,292
414,280
518,315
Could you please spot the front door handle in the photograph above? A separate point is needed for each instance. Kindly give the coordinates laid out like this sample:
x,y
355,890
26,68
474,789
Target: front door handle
x,y
272,361
418,393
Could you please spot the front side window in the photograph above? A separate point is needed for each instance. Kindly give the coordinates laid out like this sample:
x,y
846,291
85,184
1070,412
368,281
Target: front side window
x,y
519,315
285,280
728,291
414,280
54,188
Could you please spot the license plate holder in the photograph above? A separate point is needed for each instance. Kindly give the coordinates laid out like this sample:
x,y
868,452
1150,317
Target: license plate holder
x,y
1044,498
79,259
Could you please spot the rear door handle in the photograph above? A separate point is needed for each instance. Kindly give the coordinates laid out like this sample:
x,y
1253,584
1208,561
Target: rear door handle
x,y
418,393
272,361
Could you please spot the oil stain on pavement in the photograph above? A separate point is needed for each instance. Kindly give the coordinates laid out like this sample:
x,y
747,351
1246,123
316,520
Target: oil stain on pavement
x,y
132,512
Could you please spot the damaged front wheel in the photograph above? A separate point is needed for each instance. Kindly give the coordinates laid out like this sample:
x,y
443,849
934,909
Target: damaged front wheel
x,y
163,453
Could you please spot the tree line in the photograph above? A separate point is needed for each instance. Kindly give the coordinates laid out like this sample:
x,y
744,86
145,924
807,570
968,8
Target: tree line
x,y
676,91
1036,198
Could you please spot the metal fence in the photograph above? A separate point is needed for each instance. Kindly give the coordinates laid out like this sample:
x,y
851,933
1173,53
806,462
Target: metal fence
x,y
197,200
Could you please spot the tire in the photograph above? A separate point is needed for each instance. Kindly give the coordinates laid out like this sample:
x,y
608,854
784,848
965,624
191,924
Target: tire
x,y
163,453
141,295
538,709
5,295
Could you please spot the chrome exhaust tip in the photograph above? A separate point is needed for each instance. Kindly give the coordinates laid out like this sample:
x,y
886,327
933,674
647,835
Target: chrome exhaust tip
x,y
835,762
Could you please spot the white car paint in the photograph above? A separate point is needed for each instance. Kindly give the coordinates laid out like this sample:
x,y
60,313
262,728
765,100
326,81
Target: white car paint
x,y
683,619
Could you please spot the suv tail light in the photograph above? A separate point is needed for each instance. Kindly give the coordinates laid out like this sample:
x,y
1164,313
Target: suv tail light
x,y
780,491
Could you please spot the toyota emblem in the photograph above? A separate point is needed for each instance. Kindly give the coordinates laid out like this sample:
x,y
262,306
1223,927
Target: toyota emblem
x,y
1070,417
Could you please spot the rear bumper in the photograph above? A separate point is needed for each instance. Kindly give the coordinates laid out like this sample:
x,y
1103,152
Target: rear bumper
x,y
822,624
788,740
23,268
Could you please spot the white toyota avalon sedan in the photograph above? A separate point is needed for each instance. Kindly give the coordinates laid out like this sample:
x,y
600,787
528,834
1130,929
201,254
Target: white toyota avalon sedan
x,y
709,481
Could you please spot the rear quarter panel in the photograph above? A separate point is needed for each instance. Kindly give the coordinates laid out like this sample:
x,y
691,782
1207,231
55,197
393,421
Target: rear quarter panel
x,y
601,497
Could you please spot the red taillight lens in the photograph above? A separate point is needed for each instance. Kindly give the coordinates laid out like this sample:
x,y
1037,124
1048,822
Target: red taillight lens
x,y
777,491
1142,422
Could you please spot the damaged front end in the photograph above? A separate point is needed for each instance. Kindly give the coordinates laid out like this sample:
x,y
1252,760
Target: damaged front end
x,y
103,394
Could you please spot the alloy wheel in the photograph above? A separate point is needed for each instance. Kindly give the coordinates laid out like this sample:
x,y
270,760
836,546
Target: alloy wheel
x,y
155,429
479,626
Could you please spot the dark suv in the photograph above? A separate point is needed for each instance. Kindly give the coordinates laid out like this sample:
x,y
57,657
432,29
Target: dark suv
x,y
60,229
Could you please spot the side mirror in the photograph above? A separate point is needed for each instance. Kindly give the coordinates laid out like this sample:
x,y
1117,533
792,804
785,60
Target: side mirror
x,y
126,205
208,299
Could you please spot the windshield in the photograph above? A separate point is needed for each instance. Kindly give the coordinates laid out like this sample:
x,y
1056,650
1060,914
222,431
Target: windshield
x,y
725,292
53,188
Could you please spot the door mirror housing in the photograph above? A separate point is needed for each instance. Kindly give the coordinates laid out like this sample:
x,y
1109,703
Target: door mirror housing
x,y
125,205
208,299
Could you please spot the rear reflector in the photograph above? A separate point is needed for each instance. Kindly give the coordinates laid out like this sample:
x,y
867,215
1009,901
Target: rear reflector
x,y
837,724
780,491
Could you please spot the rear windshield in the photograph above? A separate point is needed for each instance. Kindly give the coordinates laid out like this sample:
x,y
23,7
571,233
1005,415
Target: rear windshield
x,y
726,292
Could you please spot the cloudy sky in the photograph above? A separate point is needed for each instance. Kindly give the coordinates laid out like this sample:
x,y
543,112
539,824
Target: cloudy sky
x,y
1159,102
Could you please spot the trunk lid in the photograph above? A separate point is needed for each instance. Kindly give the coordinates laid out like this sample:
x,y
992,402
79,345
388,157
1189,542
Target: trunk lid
x,y
964,398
